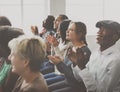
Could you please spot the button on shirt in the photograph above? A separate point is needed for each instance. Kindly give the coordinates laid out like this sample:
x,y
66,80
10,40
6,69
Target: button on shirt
x,y
102,73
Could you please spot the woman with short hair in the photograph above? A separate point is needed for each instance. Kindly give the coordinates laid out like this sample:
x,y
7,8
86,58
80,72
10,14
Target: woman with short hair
x,y
27,55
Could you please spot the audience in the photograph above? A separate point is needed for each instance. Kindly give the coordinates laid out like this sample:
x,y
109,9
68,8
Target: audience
x,y
101,74
76,33
62,56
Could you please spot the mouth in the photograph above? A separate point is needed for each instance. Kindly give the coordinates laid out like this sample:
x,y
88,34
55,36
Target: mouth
x,y
99,37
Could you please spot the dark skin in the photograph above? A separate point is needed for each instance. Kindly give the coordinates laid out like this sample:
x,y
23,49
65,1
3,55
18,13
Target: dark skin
x,y
106,38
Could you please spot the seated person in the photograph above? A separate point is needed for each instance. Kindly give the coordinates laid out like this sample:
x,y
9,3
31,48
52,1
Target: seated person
x,y
27,55
59,49
76,33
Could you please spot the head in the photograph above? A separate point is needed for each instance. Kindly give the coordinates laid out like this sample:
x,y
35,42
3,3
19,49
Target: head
x,y
7,33
108,34
4,21
49,22
58,20
63,28
77,32
27,54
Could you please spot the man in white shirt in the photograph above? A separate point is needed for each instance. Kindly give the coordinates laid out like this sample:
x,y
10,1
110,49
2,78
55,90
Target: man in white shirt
x,y
102,73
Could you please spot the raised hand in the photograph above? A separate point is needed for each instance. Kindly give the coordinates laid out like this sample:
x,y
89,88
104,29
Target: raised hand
x,y
78,57
34,30
52,40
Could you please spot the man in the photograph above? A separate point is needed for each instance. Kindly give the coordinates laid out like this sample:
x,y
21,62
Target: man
x,y
101,74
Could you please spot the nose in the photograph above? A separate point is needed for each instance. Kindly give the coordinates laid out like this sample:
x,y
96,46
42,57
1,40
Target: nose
x,y
9,57
67,31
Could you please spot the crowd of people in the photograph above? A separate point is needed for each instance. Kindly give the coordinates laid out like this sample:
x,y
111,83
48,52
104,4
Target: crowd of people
x,y
58,59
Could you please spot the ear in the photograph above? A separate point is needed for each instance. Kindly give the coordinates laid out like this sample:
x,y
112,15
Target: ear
x,y
116,37
26,62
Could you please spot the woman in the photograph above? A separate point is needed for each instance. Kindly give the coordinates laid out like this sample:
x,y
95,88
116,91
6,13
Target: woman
x,y
59,49
27,54
76,33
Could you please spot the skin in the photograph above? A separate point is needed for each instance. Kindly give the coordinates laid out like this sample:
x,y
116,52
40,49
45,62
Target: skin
x,y
20,66
73,55
106,38
57,22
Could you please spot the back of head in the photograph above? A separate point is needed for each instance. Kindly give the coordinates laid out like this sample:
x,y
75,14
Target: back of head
x,y
31,48
4,21
63,28
7,33
49,22
63,17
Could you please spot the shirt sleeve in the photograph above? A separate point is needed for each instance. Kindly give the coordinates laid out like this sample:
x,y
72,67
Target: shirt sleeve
x,y
60,52
107,83
86,77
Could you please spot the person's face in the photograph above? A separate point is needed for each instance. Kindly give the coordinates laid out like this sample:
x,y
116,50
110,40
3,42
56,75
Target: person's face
x,y
18,64
104,37
71,34
57,22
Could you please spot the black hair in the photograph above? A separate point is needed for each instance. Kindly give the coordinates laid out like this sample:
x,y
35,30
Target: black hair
x,y
7,33
4,21
63,28
49,22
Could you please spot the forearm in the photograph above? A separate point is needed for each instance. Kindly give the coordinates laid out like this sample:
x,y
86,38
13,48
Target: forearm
x,y
67,71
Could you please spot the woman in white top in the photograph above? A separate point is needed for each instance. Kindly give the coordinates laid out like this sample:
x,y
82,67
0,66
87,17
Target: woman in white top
x,y
59,49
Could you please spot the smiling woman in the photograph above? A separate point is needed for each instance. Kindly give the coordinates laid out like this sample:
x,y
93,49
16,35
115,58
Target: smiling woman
x,y
27,55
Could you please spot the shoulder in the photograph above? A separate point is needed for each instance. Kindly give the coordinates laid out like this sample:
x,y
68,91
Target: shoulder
x,y
39,85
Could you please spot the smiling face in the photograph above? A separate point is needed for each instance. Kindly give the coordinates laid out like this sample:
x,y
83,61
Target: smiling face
x,y
17,62
105,37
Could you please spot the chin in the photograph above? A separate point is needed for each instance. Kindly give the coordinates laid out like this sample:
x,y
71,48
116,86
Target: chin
x,y
14,71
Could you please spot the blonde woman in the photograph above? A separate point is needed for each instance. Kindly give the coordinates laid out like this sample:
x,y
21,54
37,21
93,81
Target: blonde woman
x,y
27,54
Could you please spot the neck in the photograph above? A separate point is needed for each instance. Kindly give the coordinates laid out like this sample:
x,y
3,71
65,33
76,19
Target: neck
x,y
78,43
29,76
104,47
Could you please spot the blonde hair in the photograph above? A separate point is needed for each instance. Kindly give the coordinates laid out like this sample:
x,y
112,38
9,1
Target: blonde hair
x,y
30,47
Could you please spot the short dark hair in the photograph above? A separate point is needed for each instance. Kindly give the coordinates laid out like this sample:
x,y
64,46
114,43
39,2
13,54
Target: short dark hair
x,y
49,22
7,33
4,21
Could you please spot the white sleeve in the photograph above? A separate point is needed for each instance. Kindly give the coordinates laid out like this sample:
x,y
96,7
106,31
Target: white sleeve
x,y
60,52
107,83
87,78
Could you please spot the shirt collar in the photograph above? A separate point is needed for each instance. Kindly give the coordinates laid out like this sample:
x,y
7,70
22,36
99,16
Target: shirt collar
x,y
108,50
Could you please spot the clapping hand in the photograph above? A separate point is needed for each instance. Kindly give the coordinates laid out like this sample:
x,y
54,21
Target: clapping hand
x,y
52,40
78,57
